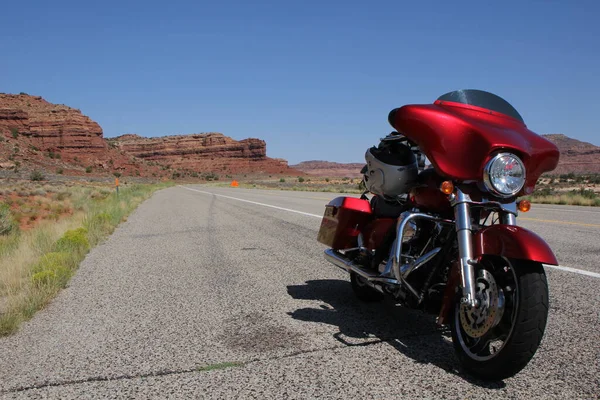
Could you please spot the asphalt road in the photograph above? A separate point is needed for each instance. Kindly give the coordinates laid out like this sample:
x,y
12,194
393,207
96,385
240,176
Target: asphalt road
x,y
207,296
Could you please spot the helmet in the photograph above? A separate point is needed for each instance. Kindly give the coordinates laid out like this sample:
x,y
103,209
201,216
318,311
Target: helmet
x,y
391,169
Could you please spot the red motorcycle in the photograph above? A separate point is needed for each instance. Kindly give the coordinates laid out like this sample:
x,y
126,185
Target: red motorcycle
x,y
440,233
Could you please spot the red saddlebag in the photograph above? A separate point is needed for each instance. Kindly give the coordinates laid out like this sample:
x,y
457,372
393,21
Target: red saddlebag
x,y
343,218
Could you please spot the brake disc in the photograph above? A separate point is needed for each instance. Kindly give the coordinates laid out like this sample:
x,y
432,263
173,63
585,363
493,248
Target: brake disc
x,y
477,321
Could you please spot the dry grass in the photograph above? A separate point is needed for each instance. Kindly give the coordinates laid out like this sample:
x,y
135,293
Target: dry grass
x,y
566,199
35,264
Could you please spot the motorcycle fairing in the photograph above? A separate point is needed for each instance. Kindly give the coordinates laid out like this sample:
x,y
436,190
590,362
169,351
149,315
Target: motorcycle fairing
x,y
512,242
459,138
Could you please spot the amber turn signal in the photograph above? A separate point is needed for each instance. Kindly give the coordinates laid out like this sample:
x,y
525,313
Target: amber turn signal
x,y
524,205
447,187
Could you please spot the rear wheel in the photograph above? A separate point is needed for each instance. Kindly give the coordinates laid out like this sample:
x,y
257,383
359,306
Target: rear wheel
x,y
498,339
362,290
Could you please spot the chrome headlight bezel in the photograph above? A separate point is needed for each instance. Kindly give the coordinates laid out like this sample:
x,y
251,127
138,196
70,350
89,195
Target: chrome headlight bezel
x,y
488,178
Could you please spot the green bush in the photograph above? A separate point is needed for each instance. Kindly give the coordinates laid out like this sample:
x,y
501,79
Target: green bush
x,y
88,169
36,175
59,171
300,179
14,132
281,180
73,240
117,174
326,179
7,220
58,276
53,269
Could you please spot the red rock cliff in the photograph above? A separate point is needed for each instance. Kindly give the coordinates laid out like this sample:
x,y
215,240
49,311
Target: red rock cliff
x,y
575,156
203,152
51,127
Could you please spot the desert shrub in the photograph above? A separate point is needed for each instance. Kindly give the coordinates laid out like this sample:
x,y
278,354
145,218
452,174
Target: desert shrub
x,y
194,174
281,180
73,240
62,195
59,171
36,175
54,269
100,194
175,175
300,179
8,224
14,132
544,192
88,169
585,193
211,176
39,192
117,174
326,179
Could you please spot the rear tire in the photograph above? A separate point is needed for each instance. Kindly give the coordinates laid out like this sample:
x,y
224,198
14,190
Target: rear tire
x,y
362,290
515,338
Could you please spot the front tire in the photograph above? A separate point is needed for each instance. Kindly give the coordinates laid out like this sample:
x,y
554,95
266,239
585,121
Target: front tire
x,y
499,339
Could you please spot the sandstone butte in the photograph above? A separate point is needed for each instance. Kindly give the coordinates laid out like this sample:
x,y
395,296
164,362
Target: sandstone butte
x,y
38,133
204,152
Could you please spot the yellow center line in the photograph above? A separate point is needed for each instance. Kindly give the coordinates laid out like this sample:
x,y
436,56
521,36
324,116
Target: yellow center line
x,y
552,221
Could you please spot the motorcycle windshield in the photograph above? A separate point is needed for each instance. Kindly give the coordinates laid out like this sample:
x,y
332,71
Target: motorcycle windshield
x,y
480,98
463,129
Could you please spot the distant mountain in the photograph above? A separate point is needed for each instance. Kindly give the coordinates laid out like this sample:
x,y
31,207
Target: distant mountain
x,y
575,156
329,169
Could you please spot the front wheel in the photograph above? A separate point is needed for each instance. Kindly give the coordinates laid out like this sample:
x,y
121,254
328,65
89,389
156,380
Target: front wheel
x,y
498,339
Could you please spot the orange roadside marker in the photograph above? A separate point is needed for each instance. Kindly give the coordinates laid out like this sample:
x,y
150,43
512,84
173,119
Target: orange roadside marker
x,y
234,184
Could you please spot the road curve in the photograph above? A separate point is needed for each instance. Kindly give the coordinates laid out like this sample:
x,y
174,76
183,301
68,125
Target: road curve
x,y
224,293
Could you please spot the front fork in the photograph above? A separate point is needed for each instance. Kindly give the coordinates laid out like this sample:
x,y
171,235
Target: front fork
x,y
462,217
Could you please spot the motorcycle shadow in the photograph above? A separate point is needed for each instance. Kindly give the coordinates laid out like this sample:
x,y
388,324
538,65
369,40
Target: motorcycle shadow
x,y
413,333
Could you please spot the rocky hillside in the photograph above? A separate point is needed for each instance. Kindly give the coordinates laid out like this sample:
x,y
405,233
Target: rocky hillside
x,y
575,156
37,134
330,169
203,152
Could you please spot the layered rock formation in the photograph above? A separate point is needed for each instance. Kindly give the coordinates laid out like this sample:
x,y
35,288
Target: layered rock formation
x,y
51,127
575,156
203,152
330,169
39,134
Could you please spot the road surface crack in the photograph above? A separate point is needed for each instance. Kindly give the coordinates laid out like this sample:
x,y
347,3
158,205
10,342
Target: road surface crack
x,y
206,368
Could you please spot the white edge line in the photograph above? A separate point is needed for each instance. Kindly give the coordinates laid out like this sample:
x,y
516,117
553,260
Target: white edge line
x,y
574,270
254,202
558,267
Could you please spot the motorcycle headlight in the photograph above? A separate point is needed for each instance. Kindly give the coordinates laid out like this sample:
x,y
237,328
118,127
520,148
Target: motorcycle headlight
x,y
504,175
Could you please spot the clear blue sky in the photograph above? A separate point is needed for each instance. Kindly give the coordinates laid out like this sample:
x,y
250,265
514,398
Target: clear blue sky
x,y
315,79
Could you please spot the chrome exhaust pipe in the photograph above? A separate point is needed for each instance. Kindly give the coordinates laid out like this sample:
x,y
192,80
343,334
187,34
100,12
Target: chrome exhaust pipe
x,y
341,261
